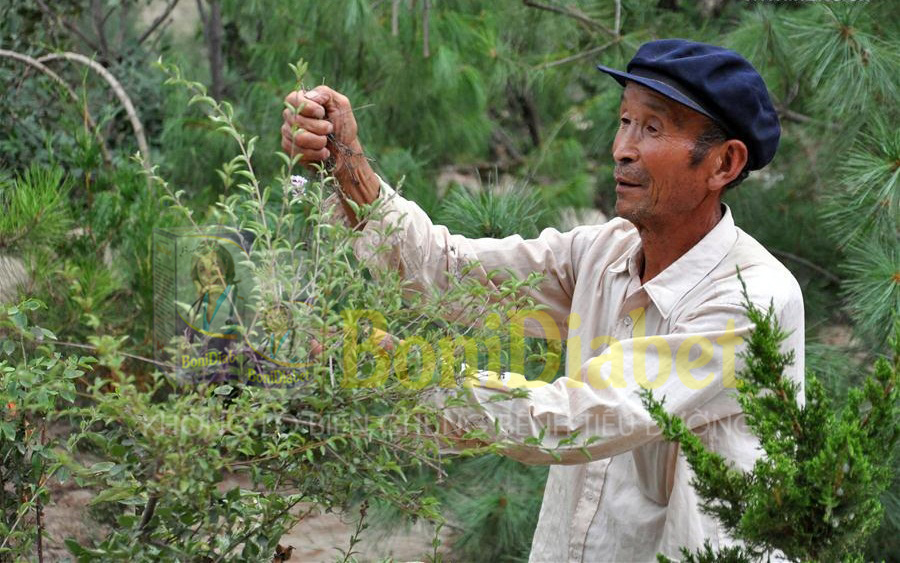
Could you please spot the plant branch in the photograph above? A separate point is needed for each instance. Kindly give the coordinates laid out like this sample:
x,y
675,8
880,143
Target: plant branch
x,y
38,510
157,22
119,91
573,13
23,509
811,265
360,526
72,29
578,56
618,23
132,356
147,515
71,93
100,29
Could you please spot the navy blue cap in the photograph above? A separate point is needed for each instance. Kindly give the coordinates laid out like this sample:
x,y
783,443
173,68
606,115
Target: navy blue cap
x,y
714,81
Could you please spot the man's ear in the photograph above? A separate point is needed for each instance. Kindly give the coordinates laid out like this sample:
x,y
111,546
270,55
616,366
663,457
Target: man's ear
x,y
729,160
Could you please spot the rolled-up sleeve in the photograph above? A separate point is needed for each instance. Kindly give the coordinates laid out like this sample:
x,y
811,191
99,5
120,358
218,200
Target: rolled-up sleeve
x,y
399,236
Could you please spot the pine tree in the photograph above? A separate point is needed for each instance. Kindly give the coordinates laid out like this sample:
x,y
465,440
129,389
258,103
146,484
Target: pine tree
x,y
814,495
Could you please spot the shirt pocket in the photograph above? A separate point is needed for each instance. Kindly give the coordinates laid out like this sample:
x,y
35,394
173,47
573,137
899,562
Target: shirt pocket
x,y
654,470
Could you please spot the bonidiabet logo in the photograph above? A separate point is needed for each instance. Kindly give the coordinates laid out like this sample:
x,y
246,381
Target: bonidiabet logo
x,y
207,322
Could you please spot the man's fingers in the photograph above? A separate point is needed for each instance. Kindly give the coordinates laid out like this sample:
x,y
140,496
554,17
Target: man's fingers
x,y
317,126
306,156
311,115
307,104
304,139
333,103
311,148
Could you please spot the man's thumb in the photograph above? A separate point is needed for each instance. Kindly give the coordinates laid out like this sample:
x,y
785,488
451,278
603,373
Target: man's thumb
x,y
318,96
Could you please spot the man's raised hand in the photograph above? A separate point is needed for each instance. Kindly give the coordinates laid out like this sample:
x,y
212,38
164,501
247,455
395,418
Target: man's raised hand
x,y
310,117
319,124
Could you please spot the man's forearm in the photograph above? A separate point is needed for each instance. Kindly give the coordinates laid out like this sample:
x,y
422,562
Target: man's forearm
x,y
357,180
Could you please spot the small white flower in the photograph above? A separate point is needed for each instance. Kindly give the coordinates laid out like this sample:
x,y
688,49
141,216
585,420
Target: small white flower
x,y
298,184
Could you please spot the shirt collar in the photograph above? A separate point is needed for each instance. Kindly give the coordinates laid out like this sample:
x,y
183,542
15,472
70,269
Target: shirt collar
x,y
673,283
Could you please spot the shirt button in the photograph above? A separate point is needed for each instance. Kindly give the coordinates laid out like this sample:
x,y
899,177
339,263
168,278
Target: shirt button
x,y
627,321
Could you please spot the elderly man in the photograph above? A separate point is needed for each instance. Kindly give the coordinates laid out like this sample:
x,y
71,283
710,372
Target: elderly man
x,y
651,299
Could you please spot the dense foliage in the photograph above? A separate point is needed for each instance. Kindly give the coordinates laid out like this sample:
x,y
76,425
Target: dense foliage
x,y
489,114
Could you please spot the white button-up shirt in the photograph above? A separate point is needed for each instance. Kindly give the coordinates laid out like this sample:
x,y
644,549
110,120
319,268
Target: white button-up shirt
x,y
679,333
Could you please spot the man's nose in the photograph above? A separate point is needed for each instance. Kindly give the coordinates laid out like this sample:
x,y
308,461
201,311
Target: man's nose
x,y
624,149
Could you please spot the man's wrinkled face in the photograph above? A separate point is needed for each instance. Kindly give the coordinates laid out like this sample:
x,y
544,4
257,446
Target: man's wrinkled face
x,y
656,185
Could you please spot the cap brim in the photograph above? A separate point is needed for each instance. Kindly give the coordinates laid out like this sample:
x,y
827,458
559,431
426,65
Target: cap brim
x,y
661,87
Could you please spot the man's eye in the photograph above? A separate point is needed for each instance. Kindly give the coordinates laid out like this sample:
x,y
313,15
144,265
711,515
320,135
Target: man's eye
x,y
652,130
624,121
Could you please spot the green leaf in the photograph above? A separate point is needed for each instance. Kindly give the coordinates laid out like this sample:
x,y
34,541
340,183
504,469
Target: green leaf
x,y
18,318
68,394
7,429
32,305
114,494
101,467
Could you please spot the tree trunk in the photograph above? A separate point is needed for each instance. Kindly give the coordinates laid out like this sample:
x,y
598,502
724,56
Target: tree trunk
x,y
212,33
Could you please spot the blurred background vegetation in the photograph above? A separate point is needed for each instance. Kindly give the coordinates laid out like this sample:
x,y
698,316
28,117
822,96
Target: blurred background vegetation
x,y
492,116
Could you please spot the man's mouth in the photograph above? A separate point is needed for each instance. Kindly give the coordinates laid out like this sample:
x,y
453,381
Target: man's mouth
x,y
627,183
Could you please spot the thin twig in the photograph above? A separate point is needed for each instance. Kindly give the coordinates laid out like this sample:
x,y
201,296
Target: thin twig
x,y
807,263
360,526
107,14
792,115
618,23
578,56
417,456
15,525
132,356
157,22
100,29
572,13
